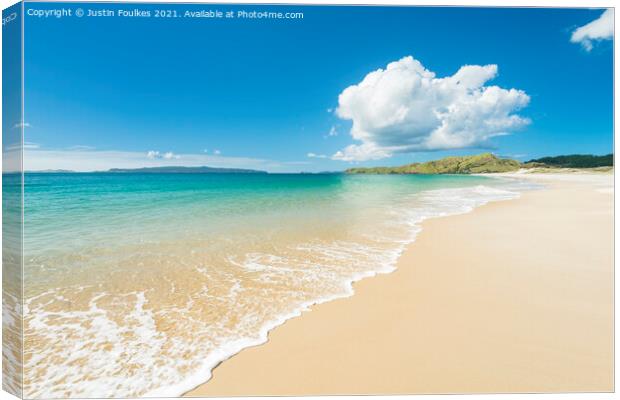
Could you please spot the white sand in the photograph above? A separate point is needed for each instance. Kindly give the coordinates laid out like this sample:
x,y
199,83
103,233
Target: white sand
x,y
516,296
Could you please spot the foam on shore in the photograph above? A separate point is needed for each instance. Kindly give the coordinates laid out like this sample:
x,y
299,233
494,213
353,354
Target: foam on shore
x,y
163,347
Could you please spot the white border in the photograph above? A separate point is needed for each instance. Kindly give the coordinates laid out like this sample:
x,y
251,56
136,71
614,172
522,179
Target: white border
x,y
480,3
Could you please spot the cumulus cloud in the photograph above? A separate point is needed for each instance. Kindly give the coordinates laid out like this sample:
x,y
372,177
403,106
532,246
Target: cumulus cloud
x,y
406,108
601,28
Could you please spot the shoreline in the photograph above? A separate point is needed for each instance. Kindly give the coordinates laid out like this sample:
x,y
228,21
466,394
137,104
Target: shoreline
x,y
286,379
234,349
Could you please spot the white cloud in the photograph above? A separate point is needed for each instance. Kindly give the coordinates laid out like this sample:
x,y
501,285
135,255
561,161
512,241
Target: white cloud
x,y
31,145
154,155
217,152
22,125
332,131
314,155
81,147
361,152
406,108
601,28
17,147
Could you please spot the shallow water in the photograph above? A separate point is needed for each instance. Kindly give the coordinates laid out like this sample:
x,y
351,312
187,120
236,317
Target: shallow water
x,y
139,284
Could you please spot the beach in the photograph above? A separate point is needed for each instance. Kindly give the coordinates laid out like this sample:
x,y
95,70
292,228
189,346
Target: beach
x,y
414,283
515,296
153,311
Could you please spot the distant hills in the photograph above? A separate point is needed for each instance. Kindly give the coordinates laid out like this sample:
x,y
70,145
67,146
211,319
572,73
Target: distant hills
x,y
53,171
573,161
478,164
186,170
489,163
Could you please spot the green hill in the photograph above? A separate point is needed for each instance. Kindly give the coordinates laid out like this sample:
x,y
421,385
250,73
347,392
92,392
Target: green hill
x,y
573,161
481,163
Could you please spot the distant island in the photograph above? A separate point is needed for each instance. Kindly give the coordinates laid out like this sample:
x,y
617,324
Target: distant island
x,y
51,171
186,170
489,163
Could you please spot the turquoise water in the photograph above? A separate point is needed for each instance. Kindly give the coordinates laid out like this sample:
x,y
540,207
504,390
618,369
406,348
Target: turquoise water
x,y
139,284
84,198
70,211
12,282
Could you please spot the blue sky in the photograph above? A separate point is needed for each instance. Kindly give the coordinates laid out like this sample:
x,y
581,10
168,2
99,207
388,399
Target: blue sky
x,y
105,92
11,90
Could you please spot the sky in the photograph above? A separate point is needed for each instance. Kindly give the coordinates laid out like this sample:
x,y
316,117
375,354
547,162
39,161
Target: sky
x,y
11,90
340,87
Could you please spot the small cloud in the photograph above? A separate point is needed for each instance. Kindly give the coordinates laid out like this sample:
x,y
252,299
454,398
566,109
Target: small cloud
x,y
330,110
156,155
22,146
80,147
152,154
217,152
205,151
31,145
313,155
361,152
22,125
333,131
600,29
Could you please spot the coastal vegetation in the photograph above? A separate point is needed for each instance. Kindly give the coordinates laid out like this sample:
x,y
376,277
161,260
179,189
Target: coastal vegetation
x,y
573,161
490,163
477,164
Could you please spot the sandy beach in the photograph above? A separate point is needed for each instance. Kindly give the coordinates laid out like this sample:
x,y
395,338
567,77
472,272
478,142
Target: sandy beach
x,y
516,296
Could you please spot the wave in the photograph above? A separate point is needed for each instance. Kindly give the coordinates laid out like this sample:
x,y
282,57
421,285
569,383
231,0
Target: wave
x,y
440,203
102,347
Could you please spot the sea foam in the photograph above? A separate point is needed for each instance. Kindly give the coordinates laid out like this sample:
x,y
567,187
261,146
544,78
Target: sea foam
x,y
138,343
437,203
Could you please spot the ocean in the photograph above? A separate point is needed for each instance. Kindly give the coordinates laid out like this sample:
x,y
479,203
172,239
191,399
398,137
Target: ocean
x,y
140,284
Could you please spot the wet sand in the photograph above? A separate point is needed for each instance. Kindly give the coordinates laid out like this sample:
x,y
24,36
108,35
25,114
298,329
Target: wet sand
x,y
516,296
